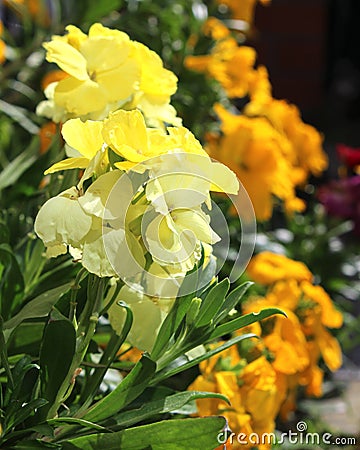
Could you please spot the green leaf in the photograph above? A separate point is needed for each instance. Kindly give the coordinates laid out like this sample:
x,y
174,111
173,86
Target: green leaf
x,y
166,373
161,406
100,9
13,171
130,388
207,275
26,338
76,421
11,282
39,307
212,303
19,372
24,412
19,115
4,358
243,321
56,356
232,300
183,434
34,444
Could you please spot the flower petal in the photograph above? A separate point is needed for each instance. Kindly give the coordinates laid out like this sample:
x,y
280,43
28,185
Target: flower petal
x,y
85,137
66,164
67,58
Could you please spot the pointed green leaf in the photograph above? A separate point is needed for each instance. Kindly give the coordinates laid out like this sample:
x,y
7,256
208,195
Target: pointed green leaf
x,y
166,373
20,164
11,281
161,406
212,303
243,321
130,388
232,300
56,356
183,434
38,307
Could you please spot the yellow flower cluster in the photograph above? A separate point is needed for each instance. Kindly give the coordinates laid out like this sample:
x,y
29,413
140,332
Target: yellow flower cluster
x,y
138,212
295,344
268,146
75,217
106,71
261,380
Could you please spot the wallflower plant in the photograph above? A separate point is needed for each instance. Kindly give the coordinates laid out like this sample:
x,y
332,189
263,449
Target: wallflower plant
x,y
137,225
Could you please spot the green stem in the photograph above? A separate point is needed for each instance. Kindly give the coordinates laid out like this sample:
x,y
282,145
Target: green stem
x,y
74,290
85,332
107,358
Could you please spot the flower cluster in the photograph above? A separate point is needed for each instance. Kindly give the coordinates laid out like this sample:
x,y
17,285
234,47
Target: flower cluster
x,y
295,344
140,209
110,212
104,71
251,387
267,144
261,377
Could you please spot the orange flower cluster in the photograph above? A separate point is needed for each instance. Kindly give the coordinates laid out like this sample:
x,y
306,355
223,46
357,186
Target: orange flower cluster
x,y
295,344
261,378
251,389
267,145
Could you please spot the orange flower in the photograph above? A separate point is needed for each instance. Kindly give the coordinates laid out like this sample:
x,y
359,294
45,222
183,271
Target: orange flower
x,y
307,153
2,45
214,28
253,390
52,77
244,9
47,133
267,268
229,64
257,153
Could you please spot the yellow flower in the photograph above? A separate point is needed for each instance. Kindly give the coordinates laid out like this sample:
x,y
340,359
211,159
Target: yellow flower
x,y
94,231
101,66
267,268
85,141
156,86
61,222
